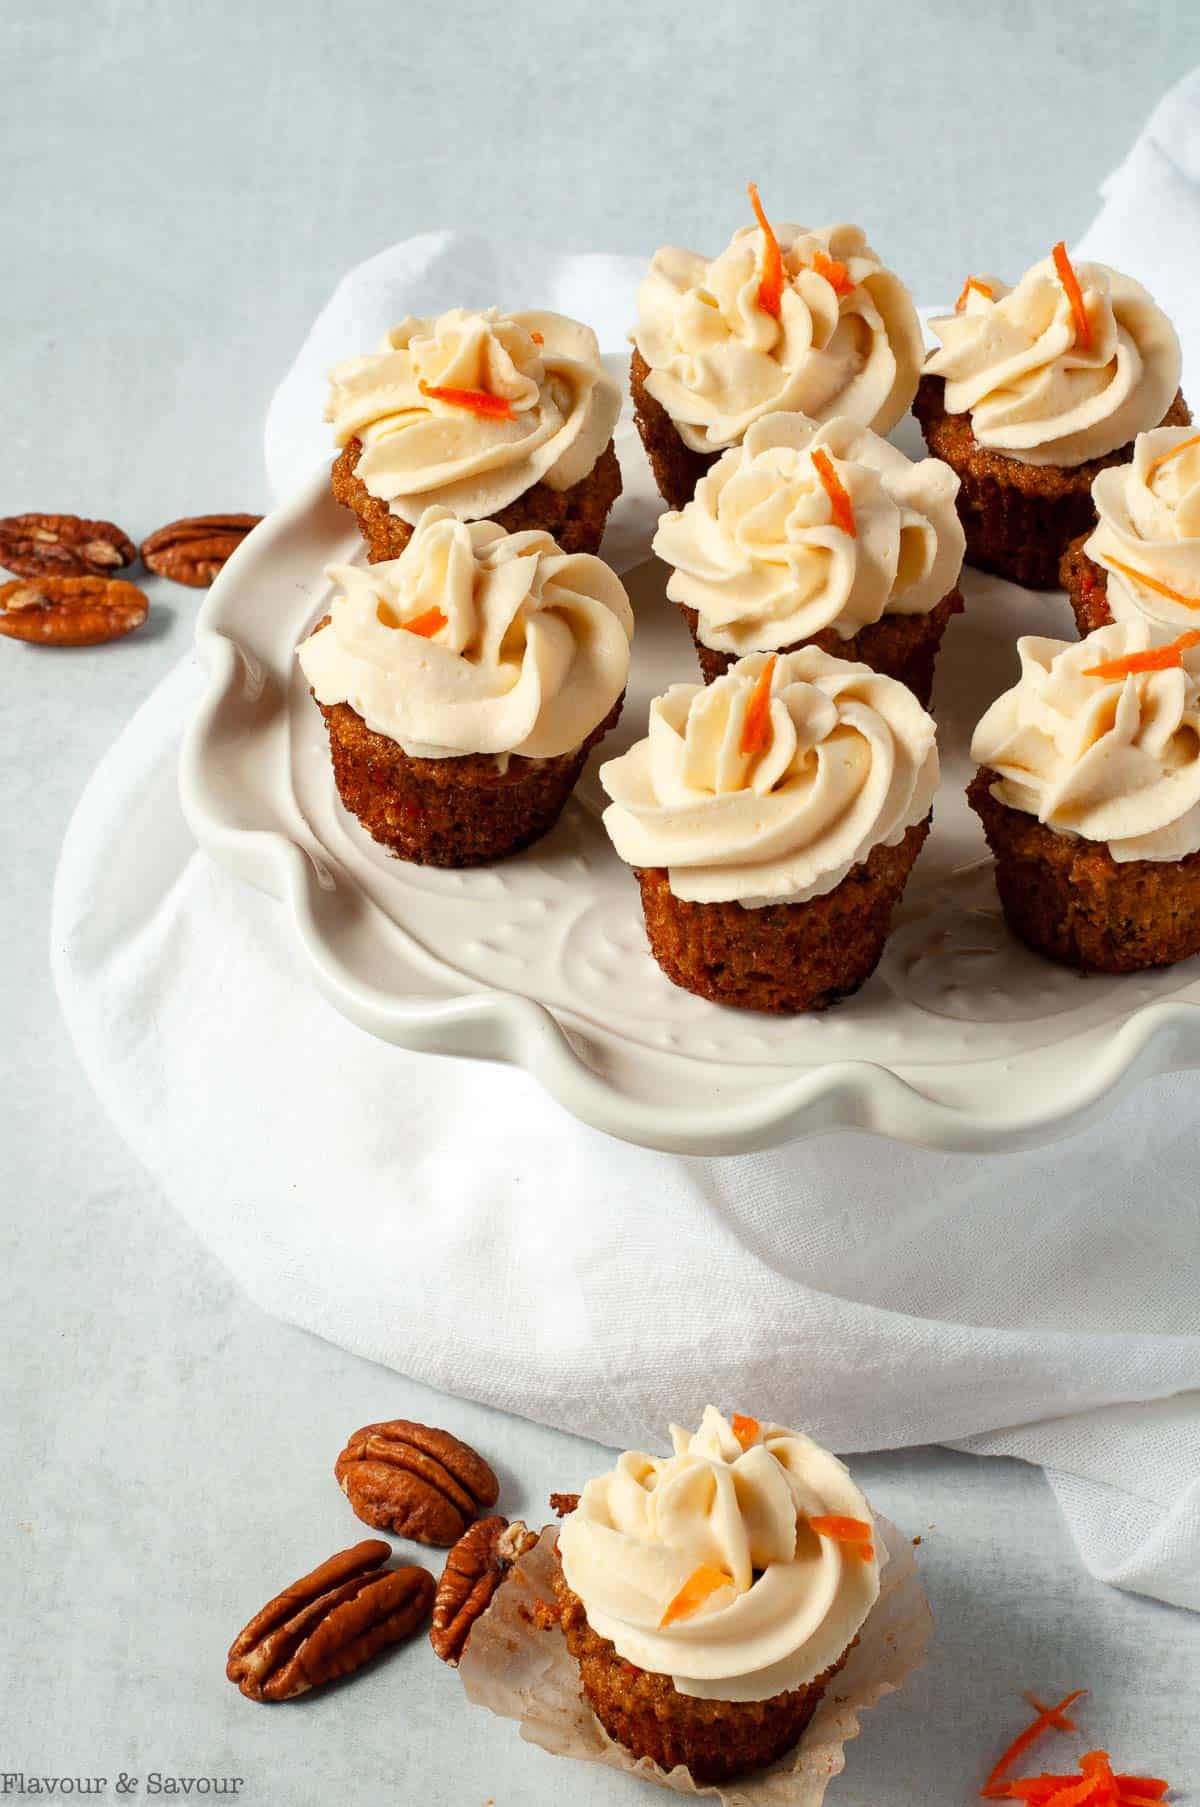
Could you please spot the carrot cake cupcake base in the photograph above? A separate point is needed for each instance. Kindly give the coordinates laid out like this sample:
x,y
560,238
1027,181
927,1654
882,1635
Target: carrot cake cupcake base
x,y
1018,518
904,647
1067,897
677,469
575,517
1086,584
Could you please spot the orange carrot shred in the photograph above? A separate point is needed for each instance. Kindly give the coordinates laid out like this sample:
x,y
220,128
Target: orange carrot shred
x,y
702,1582
770,286
478,401
1152,583
744,1429
835,273
1070,282
1060,1721
1166,457
431,622
980,288
841,1530
831,483
756,728
1023,1740
1151,1787
537,338
1156,658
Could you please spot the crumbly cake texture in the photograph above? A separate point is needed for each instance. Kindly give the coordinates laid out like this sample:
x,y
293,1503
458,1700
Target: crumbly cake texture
x,y
575,517
677,469
462,811
714,1739
787,957
1086,584
1069,899
1018,518
904,647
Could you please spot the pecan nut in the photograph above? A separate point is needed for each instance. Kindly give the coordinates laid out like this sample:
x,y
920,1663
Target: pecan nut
x,y
561,1504
192,551
329,1623
415,1480
63,545
70,611
474,1570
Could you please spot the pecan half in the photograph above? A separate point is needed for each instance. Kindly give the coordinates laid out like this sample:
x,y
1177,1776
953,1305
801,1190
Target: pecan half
x,y
474,1570
70,611
563,1503
329,1623
192,551
63,545
415,1480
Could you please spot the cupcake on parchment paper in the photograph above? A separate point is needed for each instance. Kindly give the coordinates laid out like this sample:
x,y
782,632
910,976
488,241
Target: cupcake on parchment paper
x,y
772,819
818,535
710,1597
1033,392
464,683
1142,560
502,417
785,319
1089,794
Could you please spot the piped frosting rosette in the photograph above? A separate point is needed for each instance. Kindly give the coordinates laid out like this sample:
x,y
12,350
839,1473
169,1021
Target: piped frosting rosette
x,y
806,526
771,783
1101,738
469,410
1051,376
475,641
706,1566
1148,534
845,340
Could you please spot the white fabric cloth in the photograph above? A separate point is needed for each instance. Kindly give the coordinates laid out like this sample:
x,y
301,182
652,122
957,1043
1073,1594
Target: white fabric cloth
x,y
446,1218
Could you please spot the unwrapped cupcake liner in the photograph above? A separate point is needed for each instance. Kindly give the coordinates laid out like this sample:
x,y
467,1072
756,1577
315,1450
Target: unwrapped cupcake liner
x,y
523,1672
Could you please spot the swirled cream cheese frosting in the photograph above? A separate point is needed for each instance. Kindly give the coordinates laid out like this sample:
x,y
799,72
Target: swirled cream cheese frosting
x,y
1048,379
1094,746
846,338
1148,532
741,1503
475,641
547,411
767,556
769,785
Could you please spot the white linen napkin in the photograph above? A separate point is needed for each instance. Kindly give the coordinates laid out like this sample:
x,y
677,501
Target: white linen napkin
x,y
448,1219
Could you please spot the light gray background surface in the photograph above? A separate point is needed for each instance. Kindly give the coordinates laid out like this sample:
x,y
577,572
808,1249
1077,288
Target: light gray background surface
x,y
182,185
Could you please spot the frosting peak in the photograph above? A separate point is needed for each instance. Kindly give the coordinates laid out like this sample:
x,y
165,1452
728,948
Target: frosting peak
x,y
1112,755
555,409
475,641
846,339
772,796
759,553
1038,388
793,1599
1148,532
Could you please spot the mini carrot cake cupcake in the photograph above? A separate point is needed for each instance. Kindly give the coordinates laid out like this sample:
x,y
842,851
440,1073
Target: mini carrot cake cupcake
x,y
1033,392
818,535
1142,561
464,683
711,1596
772,820
807,322
502,417
1089,794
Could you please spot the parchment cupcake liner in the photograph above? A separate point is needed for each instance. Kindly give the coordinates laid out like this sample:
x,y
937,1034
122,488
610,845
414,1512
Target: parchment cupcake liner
x,y
524,1673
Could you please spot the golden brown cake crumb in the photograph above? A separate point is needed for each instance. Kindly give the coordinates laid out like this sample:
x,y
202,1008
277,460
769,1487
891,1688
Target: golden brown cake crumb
x,y
677,469
1086,585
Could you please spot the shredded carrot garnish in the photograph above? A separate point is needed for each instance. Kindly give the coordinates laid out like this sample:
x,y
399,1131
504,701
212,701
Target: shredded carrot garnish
x,y
695,1591
744,1429
756,728
537,338
1059,1720
770,286
831,483
1152,583
1166,457
835,273
1156,658
980,288
1070,282
431,622
1030,1735
478,401
854,1531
